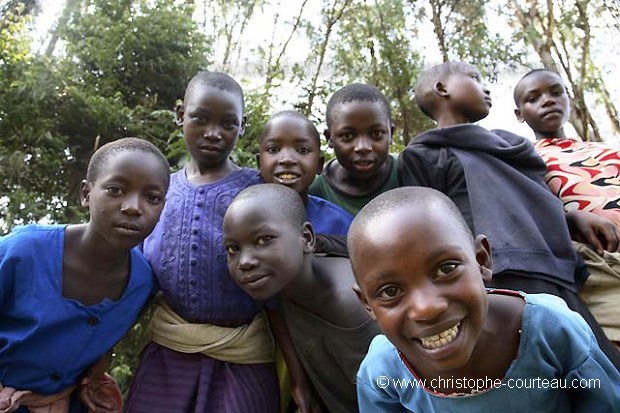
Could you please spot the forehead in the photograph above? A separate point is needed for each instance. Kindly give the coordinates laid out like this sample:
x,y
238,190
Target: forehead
x,y
205,95
539,80
407,235
245,215
291,128
134,164
359,111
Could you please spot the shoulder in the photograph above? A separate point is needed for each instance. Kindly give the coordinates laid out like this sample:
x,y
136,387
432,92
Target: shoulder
x,y
33,235
552,328
381,356
318,203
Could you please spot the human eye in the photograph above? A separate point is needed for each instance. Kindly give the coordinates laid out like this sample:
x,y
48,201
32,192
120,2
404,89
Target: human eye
x,y
231,249
304,150
272,149
230,124
114,190
264,239
346,136
447,269
531,98
154,198
388,292
377,134
558,91
198,118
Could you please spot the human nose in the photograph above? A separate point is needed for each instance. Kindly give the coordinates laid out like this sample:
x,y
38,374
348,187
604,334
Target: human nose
x,y
548,99
287,157
247,260
131,204
212,132
363,144
425,304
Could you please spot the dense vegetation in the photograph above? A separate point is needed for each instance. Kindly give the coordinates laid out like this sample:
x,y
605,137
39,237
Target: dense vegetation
x,y
115,68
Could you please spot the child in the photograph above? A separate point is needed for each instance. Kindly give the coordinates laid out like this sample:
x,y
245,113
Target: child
x,y
68,293
496,180
449,346
211,347
270,252
290,155
359,129
584,175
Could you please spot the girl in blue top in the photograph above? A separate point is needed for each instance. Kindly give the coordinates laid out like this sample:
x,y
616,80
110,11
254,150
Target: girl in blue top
x,y
68,293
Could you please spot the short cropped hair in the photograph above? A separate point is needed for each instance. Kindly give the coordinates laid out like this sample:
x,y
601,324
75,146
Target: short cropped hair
x,y
219,80
275,197
516,91
292,114
424,87
406,200
105,152
356,92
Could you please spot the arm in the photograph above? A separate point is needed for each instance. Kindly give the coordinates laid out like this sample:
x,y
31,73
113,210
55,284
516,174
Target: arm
x,y
301,388
594,230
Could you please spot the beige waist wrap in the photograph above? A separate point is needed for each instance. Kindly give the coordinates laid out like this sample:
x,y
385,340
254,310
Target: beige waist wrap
x,y
249,344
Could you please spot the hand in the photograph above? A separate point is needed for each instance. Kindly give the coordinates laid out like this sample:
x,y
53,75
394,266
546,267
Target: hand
x,y
305,400
101,394
594,230
10,398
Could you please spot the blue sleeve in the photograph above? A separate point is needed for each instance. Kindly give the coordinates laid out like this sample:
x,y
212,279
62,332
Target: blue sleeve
x,y
371,399
594,385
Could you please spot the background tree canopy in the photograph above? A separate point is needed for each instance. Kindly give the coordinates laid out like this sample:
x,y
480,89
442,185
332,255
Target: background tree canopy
x,y
116,68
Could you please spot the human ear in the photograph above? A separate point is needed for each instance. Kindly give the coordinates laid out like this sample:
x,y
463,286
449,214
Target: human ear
x,y
328,137
484,257
440,89
319,168
180,114
360,296
85,193
244,121
309,238
519,115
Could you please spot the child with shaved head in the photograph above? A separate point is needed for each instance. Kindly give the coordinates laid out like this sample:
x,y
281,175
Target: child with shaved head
x,y
270,248
450,345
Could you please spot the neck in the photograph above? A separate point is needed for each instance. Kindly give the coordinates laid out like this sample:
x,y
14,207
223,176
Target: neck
x,y
198,173
553,134
297,290
447,119
88,245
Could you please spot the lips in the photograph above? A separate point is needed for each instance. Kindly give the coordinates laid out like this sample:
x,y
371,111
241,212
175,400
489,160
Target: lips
x,y
252,279
441,339
287,176
130,228
551,113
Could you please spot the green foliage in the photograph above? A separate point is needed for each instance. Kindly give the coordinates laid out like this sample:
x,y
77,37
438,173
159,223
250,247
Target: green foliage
x,y
375,48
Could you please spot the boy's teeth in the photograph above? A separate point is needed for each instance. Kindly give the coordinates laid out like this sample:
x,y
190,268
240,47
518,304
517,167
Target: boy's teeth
x,y
288,176
441,339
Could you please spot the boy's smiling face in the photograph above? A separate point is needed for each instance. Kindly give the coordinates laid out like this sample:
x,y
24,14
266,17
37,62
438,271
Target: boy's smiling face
x,y
360,133
290,154
542,103
420,276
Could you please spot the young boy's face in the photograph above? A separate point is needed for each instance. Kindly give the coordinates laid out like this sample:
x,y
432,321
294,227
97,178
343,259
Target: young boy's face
x,y
421,278
290,154
127,197
265,250
469,99
360,133
212,121
543,102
